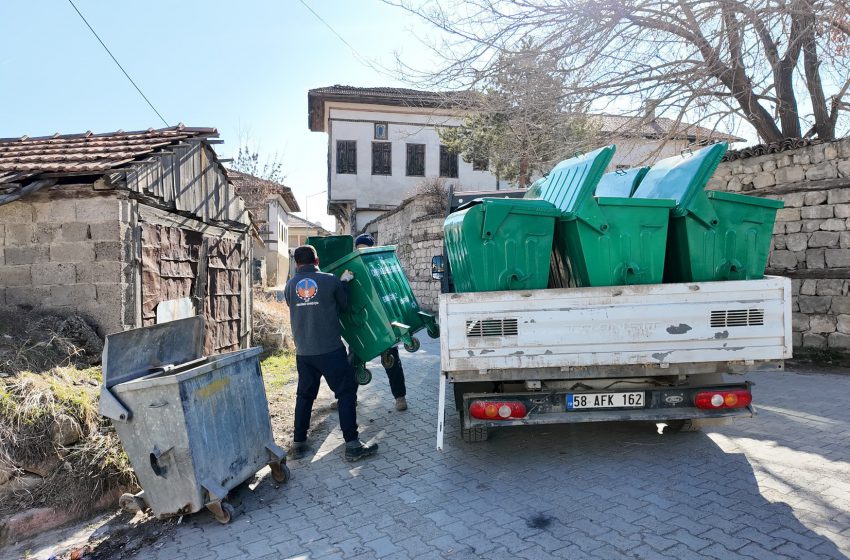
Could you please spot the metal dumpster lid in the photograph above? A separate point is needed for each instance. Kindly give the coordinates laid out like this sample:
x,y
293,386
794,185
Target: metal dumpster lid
x,y
571,184
621,183
135,353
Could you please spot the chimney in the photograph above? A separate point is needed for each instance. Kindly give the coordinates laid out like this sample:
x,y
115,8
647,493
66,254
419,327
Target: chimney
x,y
649,107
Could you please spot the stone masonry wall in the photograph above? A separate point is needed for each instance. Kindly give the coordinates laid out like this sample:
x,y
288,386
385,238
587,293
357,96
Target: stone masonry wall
x,y
66,250
811,238
416,228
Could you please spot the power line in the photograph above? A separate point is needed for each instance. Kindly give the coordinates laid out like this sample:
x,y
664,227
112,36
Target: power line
x,y
360,58
145,97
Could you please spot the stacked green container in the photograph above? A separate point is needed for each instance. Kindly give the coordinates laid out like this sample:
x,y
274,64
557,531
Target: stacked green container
x,y
713,235
382,308
331,248
608,241
500,244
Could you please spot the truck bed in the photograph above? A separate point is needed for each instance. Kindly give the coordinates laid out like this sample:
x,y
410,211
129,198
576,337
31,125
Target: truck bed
x,y
616,331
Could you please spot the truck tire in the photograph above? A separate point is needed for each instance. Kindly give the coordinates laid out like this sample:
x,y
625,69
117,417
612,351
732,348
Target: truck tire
x,y
682,426
474,435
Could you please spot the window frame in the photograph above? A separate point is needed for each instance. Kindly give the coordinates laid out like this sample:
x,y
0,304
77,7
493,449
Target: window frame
x,y
411,147
351,147
446,156
387,147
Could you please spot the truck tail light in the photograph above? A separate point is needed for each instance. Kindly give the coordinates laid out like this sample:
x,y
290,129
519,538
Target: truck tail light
x,y
497,410
713,400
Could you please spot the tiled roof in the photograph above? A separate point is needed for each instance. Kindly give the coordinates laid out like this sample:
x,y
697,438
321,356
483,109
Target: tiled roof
x,y
659,127
772,148
397,97
85,154
629,126
297,221
256,191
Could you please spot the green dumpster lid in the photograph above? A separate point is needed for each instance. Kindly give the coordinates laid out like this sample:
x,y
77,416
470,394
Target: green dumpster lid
x,y
682,178
357,253
641,202
571,183
331,248
622,182
745,199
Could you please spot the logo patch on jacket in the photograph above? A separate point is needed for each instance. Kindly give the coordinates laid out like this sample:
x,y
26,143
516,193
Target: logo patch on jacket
x,y
306,289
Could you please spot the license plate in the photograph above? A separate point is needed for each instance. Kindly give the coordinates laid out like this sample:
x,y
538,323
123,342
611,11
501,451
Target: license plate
x,y
582,401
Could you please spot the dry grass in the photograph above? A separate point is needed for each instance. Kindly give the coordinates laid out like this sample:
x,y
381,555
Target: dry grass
x,y
80,474
47,377
271,323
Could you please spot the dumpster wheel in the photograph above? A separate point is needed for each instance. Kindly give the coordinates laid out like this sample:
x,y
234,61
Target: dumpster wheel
x,y
222,511
387,360
433,330
363,376
280,472
413,346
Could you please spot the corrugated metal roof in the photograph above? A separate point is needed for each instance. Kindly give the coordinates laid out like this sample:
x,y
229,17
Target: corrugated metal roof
x,y
74,154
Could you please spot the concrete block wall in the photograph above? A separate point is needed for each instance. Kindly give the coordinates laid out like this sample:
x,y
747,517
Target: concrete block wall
x,y
811,237
67,250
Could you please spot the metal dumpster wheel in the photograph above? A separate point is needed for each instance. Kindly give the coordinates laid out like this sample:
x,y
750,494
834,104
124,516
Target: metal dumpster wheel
x,y
413,346
132,503
363,375
387,360
280,472
222,511
433,330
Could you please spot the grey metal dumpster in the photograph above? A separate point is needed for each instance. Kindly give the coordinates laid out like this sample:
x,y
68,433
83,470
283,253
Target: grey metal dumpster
x,y
193,427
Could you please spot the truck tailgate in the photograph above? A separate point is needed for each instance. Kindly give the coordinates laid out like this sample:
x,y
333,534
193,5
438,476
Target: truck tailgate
x,y
657,325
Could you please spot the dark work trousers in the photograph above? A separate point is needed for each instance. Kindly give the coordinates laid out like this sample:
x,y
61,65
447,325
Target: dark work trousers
x,y
339,376
396,375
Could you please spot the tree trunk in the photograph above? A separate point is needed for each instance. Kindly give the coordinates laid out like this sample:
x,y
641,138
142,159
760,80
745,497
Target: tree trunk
x,y
811,64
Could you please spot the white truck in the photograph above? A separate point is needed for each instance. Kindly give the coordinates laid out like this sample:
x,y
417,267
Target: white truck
x,y
667,353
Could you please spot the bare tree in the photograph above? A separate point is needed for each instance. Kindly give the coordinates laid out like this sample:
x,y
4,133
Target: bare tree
x,y
521,123
249,161
780,65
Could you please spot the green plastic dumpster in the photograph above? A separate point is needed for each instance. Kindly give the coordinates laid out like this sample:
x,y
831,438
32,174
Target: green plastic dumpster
x,y
713,235
621,183
500,244
331,248
382,308
608,241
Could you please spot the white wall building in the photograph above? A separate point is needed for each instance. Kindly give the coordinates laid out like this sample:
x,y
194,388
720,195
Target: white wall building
x,y
383,142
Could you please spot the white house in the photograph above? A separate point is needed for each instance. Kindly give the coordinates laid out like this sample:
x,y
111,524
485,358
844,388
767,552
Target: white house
x,y
382,142
270,204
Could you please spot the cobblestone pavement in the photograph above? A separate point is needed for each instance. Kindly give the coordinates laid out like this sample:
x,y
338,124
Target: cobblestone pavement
x,y
777,486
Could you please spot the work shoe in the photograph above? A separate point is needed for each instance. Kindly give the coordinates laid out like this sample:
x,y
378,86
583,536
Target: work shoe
x,y
297,450
401,404
359,451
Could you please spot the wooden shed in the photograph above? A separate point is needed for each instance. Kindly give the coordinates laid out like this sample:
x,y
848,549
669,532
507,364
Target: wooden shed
x,y
126,229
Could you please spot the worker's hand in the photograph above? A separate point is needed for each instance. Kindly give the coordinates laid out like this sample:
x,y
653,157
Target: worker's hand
x,y
347,276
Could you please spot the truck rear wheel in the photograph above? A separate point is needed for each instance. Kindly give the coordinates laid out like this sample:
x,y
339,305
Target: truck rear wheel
x,y
474,435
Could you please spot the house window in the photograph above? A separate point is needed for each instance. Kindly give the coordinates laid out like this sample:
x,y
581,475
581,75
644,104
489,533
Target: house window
x,y
382,160
381,131
346,156
448,163
480,164
416,160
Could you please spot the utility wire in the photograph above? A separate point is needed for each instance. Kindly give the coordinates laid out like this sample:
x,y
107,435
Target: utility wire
x,y
360,58
145,97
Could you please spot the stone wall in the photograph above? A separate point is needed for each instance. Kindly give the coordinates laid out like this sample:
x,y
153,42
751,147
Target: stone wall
x,y
66,250
416,228
811,239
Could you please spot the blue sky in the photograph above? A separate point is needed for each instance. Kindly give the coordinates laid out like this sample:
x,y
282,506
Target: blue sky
x,y
242,67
